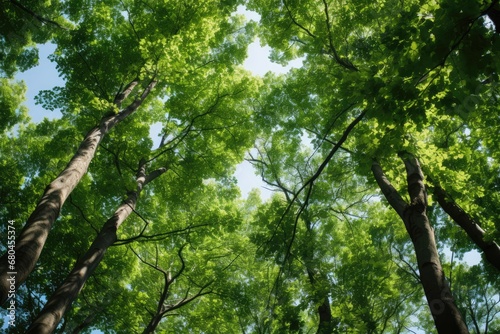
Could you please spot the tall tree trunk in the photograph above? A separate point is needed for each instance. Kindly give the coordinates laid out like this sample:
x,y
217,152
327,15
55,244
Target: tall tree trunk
x,y
63,297
326,325
31,240
447,318
326,321
474,231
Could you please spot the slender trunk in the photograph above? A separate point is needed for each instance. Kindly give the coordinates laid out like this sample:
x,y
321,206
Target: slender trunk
x,y
326,321
325,318
161,308
31,239
447,318
474,231
325,325
63,297
153,323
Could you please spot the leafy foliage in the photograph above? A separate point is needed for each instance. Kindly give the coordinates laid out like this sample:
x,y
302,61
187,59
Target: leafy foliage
x,y
325,253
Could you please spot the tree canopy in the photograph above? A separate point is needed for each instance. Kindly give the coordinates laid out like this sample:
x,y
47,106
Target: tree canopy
x,y
379,155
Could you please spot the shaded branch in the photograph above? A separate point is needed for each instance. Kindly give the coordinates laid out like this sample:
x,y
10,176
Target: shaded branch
x,y
188,128
469,225
155,237
343,62
390,193
35,15
96,79
82,214
412,271
297,23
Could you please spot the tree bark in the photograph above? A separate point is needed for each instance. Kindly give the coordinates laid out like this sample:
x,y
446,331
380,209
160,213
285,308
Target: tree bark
x,y
325,325
63,297
31,240
447,318
470,226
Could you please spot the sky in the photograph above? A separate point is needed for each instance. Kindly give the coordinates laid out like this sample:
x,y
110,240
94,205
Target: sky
x,y
45,77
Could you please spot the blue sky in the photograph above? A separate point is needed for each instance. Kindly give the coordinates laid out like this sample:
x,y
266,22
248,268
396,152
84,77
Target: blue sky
x,y
42,77
45,76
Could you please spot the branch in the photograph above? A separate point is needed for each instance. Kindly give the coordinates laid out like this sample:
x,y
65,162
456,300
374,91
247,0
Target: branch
x,y
336,147
309,183
131,108
390,193
454,46
35,15
82,214
187,300
329,141
297,23
469,225
122,95
155,237
278,183
117,159
179,138
129,18
168,280
103,92
413,272
343,62
154,174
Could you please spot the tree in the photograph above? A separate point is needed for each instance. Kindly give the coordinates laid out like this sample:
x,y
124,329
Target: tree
x,y
389,74
30,241
439,297
62,298
337,252
473,229
326,252
149,64
477,299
